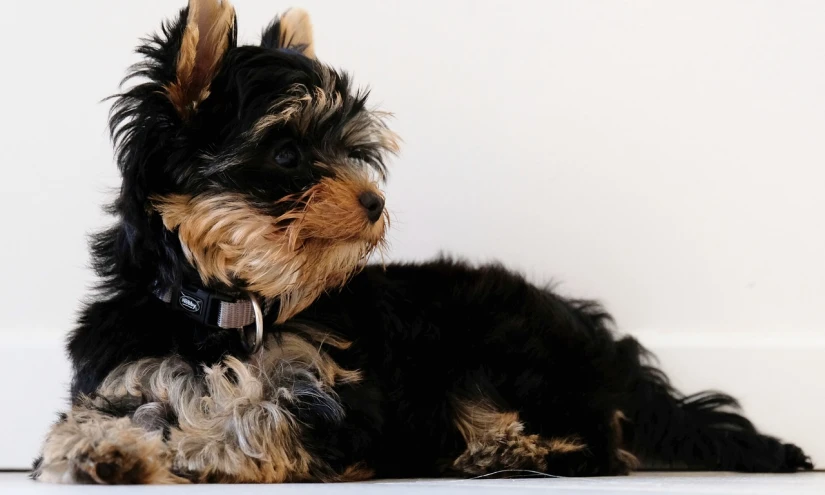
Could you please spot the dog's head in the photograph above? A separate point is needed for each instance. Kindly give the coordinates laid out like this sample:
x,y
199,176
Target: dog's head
x,y
254,168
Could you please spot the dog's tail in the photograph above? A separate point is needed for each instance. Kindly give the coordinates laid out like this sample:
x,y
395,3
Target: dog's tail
x,y
703,431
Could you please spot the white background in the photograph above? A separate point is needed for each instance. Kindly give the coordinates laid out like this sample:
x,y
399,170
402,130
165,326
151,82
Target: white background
x,y
665,157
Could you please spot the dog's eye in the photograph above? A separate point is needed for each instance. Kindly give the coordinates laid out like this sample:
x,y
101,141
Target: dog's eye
x,y
357,155
287,157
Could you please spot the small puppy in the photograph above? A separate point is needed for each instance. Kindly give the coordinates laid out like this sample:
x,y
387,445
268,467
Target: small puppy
x,y
219,347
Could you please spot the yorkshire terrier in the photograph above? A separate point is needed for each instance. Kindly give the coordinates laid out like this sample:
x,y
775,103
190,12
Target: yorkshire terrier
x,y
238,334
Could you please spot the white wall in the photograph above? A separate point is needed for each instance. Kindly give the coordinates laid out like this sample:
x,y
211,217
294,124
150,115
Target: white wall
x,y
666,157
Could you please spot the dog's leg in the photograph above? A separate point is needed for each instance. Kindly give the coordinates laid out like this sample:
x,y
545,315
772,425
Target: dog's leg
x,y
118,435
236,421
240,430
243,428
157,420
496,441
90,446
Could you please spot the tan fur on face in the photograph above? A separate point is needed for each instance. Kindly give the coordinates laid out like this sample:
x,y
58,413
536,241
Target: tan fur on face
x,y
496,440
205,41
302,107
369,129
296,32
318,244
233,421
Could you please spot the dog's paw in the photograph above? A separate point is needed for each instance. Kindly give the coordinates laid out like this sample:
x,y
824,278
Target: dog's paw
x,y
106,463
109,465
89,447
503,453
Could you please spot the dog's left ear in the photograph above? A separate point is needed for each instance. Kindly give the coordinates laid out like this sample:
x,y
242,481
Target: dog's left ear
x,y
210,31
291,31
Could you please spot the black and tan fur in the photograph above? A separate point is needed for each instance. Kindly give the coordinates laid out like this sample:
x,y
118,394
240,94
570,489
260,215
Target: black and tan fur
x,y
254,170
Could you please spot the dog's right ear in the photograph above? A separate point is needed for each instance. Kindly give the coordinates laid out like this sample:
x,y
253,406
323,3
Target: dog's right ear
x,y
210,30
291,31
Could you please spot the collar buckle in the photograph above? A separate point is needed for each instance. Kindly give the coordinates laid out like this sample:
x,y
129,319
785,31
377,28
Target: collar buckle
x,y
258,337
219,310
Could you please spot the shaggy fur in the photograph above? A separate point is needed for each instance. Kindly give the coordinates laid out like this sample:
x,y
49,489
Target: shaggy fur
x,y
253,170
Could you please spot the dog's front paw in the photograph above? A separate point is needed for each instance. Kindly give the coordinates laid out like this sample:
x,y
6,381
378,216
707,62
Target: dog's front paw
x,y
89,447
108,465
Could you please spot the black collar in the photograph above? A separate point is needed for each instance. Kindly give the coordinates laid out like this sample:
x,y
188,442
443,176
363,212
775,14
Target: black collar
x,y
219,310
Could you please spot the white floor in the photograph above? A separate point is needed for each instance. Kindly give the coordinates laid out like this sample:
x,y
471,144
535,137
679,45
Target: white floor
x,y
667,483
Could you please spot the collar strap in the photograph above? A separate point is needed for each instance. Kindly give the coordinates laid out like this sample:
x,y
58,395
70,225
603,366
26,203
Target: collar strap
x,y
217,310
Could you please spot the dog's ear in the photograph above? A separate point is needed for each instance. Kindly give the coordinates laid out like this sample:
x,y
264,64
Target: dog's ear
x,y
291,31
209,32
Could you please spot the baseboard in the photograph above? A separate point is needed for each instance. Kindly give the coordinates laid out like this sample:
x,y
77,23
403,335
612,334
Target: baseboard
x,y
34,378
778,378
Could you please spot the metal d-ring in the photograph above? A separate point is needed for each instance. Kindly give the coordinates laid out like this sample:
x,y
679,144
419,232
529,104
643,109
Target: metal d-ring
x,y
259,327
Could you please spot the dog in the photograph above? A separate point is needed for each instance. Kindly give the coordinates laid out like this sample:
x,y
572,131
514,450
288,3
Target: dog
x,y
238,333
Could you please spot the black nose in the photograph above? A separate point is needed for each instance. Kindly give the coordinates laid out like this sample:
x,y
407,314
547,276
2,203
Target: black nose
x,y
373,203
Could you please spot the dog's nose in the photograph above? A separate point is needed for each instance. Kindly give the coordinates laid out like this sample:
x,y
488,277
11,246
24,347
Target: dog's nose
x,y
373,203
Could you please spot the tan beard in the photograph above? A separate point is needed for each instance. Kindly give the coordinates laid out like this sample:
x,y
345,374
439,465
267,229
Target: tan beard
x,y
315,246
